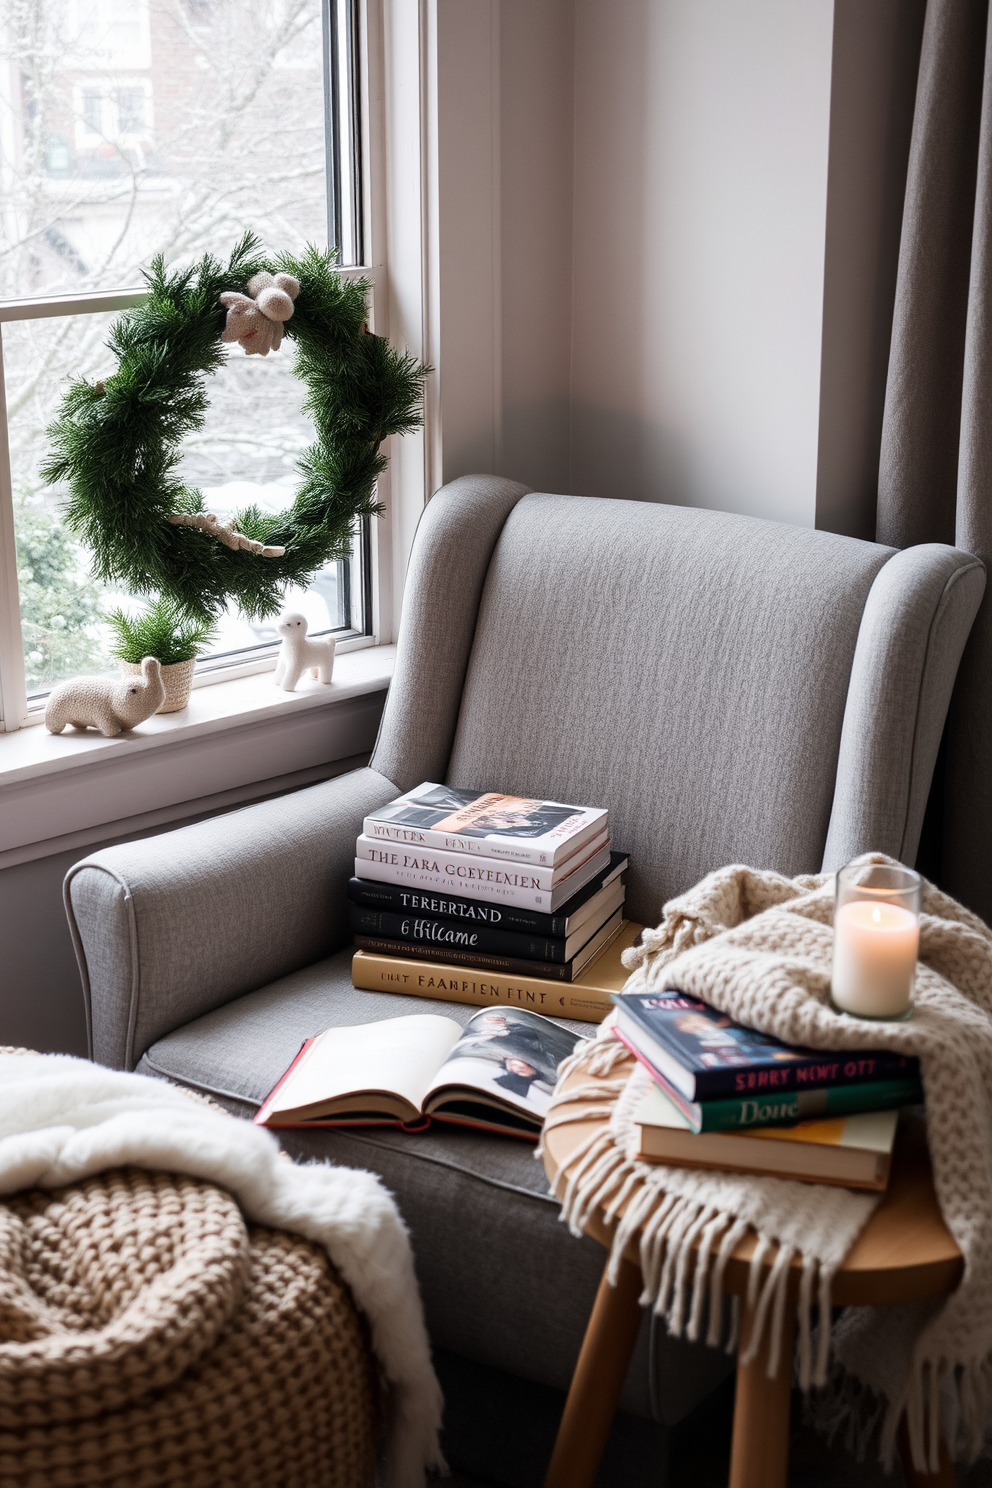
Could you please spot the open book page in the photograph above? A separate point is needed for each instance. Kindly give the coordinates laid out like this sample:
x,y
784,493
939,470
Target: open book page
x,y
396,1058
508,1056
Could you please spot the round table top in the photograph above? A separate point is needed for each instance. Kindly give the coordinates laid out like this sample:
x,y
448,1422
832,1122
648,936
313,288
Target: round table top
x,y
905,1251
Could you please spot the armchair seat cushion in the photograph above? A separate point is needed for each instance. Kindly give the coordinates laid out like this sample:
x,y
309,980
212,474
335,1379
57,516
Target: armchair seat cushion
x,y
467,1197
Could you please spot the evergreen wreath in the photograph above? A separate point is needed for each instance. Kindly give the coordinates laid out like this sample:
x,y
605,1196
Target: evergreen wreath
x,y
117,443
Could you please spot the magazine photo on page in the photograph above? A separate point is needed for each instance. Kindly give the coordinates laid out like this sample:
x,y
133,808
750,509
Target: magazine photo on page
x,y
497,1073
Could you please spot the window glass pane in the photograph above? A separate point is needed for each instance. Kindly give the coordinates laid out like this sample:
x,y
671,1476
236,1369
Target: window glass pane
x,y
129,127
247,451
62,605
344,175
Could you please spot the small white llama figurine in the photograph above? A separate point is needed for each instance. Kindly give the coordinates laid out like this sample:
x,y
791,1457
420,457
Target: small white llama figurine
x,y
298,654
106,703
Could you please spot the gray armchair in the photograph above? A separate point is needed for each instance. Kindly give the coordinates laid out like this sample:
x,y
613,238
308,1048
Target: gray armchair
x,y
732,689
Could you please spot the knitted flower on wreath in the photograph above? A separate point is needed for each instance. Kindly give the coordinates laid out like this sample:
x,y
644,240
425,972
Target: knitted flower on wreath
x,y
255,320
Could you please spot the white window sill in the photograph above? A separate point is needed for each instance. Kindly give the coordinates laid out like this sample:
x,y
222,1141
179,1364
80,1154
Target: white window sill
x,y
56,789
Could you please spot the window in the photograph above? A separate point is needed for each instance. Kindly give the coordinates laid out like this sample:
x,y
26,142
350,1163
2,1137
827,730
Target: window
x,y
92,112
130,128
129,102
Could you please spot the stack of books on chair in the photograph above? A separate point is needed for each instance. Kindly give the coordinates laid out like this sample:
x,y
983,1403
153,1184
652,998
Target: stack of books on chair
x,y
729,1097
479,897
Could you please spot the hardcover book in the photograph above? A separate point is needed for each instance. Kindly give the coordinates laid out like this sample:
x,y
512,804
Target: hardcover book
x,y
784,1108
496,826
476,878
559,971
704,1054
497,1073
588,999
480,938
851,1151
583,905
475,868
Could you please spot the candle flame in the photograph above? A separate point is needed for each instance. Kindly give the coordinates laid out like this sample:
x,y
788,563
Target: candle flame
x,y
876,915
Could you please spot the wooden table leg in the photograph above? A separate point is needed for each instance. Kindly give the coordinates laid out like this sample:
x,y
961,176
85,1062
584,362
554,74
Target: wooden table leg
x,y
759,1454
598,1379
944,1477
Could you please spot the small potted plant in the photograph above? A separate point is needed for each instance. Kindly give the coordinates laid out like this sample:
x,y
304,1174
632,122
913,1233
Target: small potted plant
x,y
164,631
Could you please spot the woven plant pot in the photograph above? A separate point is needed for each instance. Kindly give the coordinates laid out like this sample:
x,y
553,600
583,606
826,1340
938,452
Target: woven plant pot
x,y
178,679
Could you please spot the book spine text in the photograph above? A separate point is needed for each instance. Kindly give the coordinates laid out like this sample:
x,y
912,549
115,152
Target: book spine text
x,y
455,935
458,868
372,973
515,851
397,899
803,1075
476,960
424,878
805,1105
805,1072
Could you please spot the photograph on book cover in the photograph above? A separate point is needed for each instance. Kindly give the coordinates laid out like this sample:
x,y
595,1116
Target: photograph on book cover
x,y
512,1052
471,814
718,1041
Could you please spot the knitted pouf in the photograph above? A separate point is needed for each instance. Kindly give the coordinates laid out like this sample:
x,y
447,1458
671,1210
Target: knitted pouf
x,y
149,1337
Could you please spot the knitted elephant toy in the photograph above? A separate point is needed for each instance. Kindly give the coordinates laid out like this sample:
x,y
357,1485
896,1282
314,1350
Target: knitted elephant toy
x,y
299,654
106,704
255,319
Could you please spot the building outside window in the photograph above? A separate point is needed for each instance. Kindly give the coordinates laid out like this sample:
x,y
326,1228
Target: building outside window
x,y
128,128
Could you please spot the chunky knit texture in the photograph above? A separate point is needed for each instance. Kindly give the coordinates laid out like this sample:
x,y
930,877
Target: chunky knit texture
x,y
758,946
102,703
148,1337
159,1326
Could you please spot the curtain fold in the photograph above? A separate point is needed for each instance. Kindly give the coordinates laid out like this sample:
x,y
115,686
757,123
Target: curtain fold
x,y
935,476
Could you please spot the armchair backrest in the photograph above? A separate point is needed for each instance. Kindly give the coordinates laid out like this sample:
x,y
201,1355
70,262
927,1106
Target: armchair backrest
x,y
733,690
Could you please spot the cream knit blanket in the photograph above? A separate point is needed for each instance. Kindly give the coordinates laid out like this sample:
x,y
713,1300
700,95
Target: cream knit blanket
x,y
758,946
63,1120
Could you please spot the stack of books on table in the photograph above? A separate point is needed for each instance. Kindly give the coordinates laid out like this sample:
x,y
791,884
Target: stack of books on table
x,y
729,1097
477,897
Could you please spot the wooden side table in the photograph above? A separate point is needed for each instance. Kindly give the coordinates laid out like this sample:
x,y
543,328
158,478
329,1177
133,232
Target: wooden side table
x,y
905,1253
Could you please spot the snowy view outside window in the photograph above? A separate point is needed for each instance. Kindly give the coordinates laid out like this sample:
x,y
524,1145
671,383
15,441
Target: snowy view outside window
x,y
127,128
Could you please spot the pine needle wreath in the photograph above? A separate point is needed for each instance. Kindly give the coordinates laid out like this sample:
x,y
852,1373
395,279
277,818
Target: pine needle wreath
x,y
117,443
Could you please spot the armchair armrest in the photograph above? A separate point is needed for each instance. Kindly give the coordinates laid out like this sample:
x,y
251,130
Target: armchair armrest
x,y
172,926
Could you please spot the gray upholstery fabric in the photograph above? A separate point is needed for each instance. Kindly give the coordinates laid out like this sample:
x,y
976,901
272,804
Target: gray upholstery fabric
x,y
915,625
687,669
171,926
936,457
503,1282
448,565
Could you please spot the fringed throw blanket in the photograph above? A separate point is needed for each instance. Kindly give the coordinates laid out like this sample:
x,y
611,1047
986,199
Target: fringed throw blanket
x,y
758,947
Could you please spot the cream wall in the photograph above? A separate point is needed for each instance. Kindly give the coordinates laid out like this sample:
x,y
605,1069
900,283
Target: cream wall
x,y
536,171
661,250
701,153
499,237
694,208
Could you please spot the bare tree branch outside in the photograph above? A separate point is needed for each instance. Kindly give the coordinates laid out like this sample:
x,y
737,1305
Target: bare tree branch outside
x,y
127,128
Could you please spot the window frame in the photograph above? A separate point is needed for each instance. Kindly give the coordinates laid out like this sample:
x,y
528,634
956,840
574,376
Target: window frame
x,y
365,157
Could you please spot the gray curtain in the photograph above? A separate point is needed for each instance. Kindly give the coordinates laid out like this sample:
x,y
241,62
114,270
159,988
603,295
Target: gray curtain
x,y
935,479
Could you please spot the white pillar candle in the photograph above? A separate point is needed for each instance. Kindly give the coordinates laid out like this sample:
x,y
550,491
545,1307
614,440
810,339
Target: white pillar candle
x,y
875,949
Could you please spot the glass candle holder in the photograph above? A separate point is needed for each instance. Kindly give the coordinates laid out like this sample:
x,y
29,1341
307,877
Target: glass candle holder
x,y
876,940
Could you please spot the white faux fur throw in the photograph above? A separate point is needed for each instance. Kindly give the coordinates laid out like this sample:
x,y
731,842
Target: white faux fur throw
x,y
64,1119
758,946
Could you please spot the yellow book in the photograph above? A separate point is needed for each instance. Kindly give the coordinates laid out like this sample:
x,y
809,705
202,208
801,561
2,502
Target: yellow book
x,y
852,1151
586,999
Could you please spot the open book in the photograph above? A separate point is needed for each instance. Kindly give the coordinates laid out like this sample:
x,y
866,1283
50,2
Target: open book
x,y
496,1073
